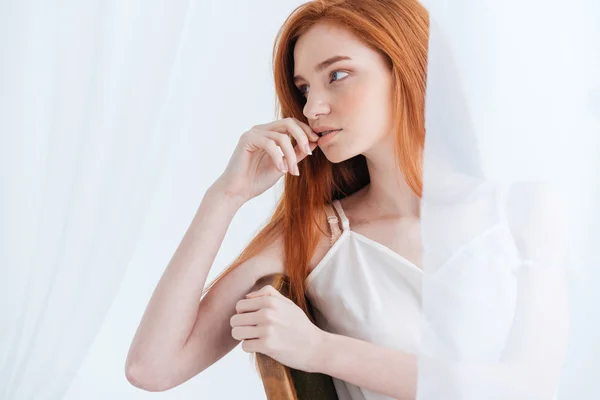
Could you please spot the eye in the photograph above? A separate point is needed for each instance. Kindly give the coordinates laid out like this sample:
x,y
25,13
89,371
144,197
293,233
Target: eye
x,y
336,72
302,88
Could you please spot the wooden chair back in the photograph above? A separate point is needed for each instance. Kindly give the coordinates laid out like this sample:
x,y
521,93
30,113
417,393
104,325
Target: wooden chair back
x,y
284,383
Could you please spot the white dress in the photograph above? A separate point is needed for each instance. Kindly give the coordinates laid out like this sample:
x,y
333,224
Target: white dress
x,y
365,290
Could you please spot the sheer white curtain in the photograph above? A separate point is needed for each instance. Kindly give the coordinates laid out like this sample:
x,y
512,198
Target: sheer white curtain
x,y
115,117
510,217
87,120
93,99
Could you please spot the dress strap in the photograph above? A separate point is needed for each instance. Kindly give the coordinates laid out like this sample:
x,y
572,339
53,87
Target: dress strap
x,y
332,219
338,207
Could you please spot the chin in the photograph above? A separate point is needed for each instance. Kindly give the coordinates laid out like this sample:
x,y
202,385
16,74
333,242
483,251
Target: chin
x,y
336,156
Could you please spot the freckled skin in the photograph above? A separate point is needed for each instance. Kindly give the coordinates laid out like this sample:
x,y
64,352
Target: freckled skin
x,y
357,98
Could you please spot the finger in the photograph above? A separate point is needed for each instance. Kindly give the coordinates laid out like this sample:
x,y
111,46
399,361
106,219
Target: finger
x,y
255,304
246,319
312,135
286,147
261,140
253,346
299,132
300,155
267,290
246,332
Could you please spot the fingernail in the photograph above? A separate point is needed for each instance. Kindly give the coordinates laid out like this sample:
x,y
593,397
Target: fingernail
x,y
296,170
282,167
307,149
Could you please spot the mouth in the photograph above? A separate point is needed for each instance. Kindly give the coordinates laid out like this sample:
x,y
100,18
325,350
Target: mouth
x,y
325,133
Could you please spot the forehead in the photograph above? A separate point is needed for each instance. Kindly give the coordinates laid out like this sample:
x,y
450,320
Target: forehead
x,y
324,40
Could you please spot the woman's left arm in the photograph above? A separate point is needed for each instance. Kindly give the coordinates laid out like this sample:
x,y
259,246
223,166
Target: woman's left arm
x,y
373,367
269,323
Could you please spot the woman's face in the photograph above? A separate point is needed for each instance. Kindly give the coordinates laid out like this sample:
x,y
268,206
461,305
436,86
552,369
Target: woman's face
x,y
353,94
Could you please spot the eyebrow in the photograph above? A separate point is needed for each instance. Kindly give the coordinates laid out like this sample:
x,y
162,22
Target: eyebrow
x,y
324,64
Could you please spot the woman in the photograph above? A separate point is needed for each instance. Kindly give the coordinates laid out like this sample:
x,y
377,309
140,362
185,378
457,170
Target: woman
x,y
350,77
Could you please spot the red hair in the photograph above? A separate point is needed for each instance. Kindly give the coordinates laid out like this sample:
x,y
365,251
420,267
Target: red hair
x,y
399,30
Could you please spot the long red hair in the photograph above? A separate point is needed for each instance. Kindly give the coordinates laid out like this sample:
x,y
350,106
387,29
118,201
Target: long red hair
x,y
399,30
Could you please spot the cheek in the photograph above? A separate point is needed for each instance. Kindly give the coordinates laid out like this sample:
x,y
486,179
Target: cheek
x,y
370,108
357,105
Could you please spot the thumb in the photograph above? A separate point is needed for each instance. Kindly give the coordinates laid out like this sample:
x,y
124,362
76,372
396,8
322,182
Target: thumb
x,y
300,154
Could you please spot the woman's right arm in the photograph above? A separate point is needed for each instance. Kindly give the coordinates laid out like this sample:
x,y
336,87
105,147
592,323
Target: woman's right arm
x,y
182,334
179,335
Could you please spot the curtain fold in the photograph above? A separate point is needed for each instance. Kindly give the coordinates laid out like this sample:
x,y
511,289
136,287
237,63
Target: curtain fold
x,y
87,120
510,221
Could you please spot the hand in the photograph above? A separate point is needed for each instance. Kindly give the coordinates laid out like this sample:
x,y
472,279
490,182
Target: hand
x,y
271,324
257,163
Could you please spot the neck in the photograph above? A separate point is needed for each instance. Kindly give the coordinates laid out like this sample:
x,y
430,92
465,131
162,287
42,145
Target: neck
x,y
388,191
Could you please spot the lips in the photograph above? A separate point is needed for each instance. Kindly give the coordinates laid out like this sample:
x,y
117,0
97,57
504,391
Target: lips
x,y
324,133
327,137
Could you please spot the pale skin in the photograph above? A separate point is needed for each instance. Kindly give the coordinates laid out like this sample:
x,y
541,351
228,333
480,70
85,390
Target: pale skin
x,y
181,335
354,95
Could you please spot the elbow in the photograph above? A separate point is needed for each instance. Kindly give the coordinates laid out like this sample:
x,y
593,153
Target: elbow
x,y
146,379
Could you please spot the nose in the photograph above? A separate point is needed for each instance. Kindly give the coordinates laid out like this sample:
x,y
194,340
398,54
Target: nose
x,y
315,106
